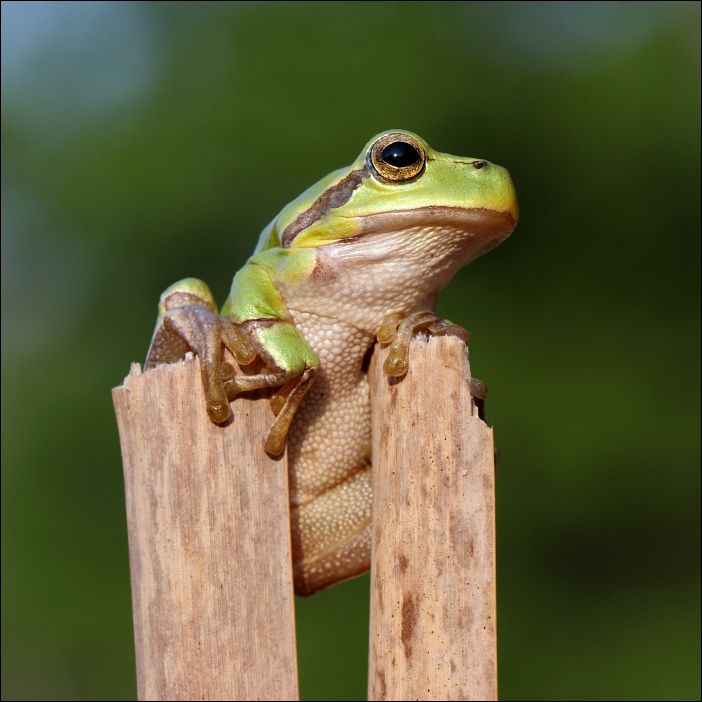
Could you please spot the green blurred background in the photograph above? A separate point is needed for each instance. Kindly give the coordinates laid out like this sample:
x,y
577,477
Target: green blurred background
x,y
145,142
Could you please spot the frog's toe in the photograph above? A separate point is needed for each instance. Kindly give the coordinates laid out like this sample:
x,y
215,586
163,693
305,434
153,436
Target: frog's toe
x,y
442,327
202,330
274,441
478,389
389,327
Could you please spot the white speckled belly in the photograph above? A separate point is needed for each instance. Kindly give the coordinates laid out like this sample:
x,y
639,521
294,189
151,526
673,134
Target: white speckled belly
x,y
329,458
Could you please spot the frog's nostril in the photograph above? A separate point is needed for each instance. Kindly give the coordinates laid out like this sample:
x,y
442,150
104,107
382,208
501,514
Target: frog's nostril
x,y
480,164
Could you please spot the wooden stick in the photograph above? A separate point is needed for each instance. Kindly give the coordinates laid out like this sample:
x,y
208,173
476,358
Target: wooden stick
x,y
432,630
209,543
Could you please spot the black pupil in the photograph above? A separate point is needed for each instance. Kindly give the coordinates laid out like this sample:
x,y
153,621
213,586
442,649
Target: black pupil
x,y
400,154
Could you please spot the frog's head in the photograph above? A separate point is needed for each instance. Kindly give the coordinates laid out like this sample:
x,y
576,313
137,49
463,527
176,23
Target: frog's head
x,y
399,183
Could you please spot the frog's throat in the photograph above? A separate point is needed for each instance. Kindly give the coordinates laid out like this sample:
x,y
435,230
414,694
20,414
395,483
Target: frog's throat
x,y
485,225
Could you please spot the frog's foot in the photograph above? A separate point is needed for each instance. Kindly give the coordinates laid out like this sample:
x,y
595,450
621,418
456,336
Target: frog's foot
x,y
398,330
188,321
284,403
331,535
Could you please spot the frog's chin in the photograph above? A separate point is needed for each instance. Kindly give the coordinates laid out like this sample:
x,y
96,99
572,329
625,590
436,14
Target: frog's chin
x,y
480,229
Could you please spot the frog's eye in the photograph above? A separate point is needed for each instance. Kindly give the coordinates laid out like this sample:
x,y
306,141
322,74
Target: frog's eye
x,y
397,157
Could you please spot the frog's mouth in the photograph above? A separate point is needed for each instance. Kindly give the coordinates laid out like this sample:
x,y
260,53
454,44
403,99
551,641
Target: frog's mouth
x,y
479,229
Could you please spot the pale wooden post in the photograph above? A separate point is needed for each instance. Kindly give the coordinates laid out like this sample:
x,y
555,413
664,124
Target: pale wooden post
x,y
432,630
209,543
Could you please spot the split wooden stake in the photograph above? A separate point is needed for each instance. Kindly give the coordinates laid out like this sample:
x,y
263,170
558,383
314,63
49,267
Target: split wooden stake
x,y
209,543
432,630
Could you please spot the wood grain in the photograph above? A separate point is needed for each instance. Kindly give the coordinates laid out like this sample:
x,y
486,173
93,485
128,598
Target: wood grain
x,y
433,628
209,543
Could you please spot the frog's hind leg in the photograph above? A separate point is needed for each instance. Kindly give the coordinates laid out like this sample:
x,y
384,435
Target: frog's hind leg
x,y
331,535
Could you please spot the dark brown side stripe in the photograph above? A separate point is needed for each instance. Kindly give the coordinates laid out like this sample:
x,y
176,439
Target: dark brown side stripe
x,y
331,198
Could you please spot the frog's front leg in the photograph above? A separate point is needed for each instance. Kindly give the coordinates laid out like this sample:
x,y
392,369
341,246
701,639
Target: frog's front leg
x,y
188,321
399,330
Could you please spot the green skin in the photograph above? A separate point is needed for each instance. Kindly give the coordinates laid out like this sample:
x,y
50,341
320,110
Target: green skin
x,y
359,256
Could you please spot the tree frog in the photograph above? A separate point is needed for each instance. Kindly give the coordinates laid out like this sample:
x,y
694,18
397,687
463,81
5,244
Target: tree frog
x,y
358,257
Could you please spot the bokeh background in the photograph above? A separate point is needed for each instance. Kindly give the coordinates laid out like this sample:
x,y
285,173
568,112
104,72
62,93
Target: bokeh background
x,y
145,142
